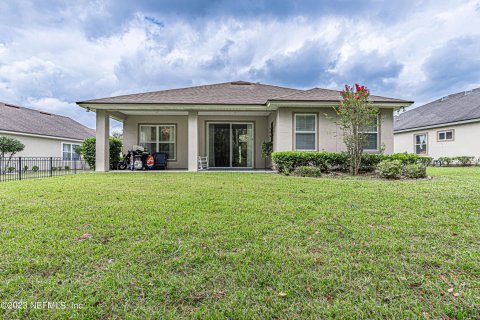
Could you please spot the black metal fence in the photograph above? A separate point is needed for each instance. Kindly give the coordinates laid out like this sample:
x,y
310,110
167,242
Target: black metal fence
x,y
20,168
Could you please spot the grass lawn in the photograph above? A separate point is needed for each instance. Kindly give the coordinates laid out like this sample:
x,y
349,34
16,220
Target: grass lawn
x,y
241,245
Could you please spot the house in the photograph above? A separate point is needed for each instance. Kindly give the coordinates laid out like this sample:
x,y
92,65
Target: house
x,y
43,134
447,127
228,122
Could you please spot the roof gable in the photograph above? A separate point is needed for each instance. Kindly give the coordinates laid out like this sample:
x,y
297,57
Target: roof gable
x,y
23,120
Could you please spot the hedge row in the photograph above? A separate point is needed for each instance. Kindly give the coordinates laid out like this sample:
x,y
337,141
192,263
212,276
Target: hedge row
x,y
287,161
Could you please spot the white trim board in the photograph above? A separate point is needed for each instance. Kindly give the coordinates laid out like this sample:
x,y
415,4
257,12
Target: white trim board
x,y
38,136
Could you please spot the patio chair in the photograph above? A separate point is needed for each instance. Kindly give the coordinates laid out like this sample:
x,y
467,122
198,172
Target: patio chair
x,y
159,161
202,163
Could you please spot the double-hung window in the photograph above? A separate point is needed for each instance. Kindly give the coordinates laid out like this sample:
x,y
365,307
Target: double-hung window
x,y
305,125
446,135
68,151
159,138
421,141
372,135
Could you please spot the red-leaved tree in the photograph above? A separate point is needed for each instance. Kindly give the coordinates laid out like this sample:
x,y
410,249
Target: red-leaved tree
x,y
355,115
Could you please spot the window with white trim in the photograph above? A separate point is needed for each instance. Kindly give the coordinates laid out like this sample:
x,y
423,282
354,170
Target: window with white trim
x,y
421,141
68,151
159,138
305,129
445,135
372,135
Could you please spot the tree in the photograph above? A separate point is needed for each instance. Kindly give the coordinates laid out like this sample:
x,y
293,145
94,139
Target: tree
x,y
87,150
9,146
356,114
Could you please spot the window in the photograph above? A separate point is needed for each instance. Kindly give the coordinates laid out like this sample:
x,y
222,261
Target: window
x,y
446,135
159,138
372,135
68,151
305,132
421,143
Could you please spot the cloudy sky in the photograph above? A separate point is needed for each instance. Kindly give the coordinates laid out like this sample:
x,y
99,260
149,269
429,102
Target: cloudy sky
x,y
54,52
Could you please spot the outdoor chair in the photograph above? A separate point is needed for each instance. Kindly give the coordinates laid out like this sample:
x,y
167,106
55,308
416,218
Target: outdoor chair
x,y
160,161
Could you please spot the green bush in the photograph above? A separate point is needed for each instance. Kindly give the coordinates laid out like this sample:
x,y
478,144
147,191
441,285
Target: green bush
x,y
25,168
87,150
67,168
54,168
415,171
35,168
446,160
464,160
307,171
11,169
425,161
390,169
405,158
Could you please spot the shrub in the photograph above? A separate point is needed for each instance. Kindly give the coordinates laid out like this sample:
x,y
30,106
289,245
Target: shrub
x,y
445,160
405,158
25,168
390,169
425,161
35,168
307,171
415,171
59,168
67,168
87,150
371,160
465,160
10,169
54,168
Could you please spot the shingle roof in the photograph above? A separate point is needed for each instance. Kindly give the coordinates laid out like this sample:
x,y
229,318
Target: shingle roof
x,y
456,107
19,119
319,94
237,92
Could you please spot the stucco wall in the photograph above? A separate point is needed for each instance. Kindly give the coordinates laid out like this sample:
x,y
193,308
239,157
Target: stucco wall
x,y
40,147
329,136
465,143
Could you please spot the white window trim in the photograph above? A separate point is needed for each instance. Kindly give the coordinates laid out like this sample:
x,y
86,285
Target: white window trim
x,y
71,151
415,143
157,138
295,131
445,131
378,135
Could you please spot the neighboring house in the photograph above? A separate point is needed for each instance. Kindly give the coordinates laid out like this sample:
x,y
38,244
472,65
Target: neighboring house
x,y
228,122
446,127
43,134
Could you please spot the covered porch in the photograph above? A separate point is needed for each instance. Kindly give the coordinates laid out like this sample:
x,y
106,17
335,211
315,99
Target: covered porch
x,y
229,140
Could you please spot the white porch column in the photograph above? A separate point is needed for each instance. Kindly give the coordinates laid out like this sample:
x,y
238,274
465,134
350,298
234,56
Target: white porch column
x,y
102,152
193,141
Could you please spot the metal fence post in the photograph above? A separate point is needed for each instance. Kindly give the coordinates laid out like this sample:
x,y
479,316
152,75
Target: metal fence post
x,y
75,166
51,166
19,168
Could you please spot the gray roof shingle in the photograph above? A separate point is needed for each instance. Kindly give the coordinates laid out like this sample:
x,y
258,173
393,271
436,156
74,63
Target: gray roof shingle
x,y
319,94
456,107
19,119
237,92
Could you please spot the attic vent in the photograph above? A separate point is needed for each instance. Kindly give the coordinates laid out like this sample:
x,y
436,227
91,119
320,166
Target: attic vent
x,y
48,114
240,83
444,98
9,105
467,92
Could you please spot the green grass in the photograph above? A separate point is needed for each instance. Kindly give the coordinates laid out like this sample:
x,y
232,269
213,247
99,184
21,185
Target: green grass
x,y
240,245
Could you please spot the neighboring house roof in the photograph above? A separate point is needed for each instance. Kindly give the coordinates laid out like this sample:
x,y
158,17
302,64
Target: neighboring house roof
x,y
462,106
231,93
319,94
23,120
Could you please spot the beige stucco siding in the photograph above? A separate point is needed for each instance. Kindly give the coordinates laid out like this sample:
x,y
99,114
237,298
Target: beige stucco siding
x,y
465,143
40,146
329,134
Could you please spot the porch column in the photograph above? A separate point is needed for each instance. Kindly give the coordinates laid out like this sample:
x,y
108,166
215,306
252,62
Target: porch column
x,y
102,147
193,141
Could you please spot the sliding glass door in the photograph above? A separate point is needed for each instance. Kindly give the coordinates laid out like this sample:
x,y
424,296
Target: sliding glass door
x,y
230,145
